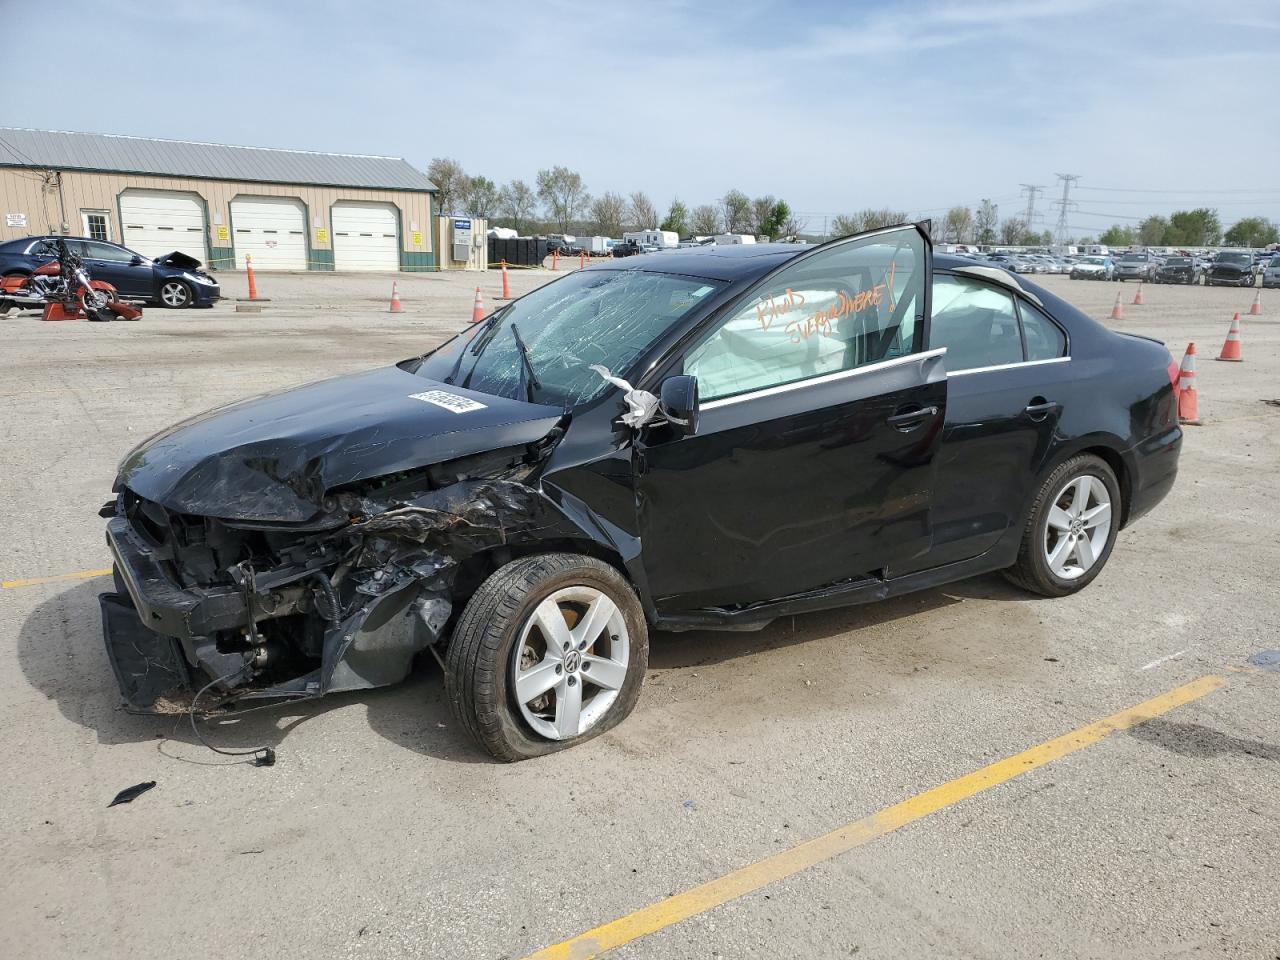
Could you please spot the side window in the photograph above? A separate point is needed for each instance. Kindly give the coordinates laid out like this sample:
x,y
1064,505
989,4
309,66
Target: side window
x,y
845,306
976,322
1045,339
105,251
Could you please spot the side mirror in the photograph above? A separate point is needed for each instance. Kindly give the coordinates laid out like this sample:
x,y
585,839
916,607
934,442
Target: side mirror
x,y
135,260
679,403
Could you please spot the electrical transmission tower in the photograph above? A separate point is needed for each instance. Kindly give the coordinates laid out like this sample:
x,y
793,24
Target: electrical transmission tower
x,y
1064,205
1031,190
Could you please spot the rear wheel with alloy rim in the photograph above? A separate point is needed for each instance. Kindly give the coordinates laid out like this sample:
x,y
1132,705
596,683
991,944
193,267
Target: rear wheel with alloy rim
x,y
1071,529
175,294
549,652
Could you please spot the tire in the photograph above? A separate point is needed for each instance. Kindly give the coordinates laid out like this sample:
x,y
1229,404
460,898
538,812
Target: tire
x,y
481,663
1034,570
176,295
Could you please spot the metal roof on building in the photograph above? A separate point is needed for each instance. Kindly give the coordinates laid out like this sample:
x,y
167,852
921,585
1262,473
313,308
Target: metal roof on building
x,y
61,150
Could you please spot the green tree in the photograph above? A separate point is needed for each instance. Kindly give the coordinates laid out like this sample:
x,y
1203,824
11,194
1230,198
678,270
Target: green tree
x,y
1151,231
984,222
957,225
451,184
736,212
1117,236
564,194
481,198
1193,228
1252,232
677,218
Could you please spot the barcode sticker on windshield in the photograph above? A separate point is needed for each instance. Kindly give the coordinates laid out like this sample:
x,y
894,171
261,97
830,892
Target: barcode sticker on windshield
x,y
450,401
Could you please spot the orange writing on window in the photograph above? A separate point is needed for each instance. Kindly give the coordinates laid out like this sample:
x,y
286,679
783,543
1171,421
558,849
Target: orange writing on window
x,y
770,308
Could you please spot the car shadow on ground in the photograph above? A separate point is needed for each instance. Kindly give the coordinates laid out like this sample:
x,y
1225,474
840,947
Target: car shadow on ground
x,y
61,654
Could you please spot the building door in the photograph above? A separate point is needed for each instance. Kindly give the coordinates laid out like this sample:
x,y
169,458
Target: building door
x,y
158,222
366,236
273,230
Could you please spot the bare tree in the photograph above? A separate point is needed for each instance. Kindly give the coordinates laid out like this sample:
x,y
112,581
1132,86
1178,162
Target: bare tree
x,y
736,212
517,203
762,215
1013,231
451,183
849,223
564,194
846,224
608,210
481,198
705,220
641,211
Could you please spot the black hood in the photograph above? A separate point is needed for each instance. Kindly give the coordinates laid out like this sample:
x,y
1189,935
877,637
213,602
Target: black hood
x,y
272,458
178,260
1232,268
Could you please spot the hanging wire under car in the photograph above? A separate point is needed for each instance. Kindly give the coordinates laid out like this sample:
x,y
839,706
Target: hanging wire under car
x,y
262,756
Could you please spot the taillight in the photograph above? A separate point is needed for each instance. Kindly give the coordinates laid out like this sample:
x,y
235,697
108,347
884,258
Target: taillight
x,y
1174,372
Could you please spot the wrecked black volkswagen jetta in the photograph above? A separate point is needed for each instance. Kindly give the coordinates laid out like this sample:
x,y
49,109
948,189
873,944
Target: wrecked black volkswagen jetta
x,y
702,439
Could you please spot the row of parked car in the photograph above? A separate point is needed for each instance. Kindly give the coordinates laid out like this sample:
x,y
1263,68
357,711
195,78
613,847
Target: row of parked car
x,y
1237,268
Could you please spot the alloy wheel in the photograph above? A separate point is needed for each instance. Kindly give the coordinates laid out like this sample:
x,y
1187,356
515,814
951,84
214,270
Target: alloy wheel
x,y
570,662
174,294
1078,528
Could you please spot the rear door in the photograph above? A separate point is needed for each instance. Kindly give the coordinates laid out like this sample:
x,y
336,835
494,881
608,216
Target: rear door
x,y
821,413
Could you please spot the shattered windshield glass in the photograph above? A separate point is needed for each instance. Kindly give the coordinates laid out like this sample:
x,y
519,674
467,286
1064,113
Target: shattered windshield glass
x,y
606,317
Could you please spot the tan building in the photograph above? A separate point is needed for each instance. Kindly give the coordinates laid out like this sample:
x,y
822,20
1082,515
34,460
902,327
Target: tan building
x,y
287,209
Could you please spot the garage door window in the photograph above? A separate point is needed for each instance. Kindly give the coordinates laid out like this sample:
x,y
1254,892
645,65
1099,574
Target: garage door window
x,y
977,323
844,307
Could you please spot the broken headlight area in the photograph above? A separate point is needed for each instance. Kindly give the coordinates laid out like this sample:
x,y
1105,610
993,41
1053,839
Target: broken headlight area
x,y
342,602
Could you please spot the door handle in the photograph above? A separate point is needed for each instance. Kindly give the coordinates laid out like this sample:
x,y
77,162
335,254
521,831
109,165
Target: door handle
x,y
1039,408
908,420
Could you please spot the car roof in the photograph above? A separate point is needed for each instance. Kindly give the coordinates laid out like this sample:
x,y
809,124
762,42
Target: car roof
x,y
744,261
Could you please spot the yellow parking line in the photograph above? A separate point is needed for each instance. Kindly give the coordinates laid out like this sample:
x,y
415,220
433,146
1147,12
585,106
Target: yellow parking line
x,y
680,907
81,575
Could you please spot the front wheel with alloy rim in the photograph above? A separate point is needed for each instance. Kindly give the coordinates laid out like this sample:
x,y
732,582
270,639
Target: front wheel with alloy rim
x,y
1071,529
550,651
175,294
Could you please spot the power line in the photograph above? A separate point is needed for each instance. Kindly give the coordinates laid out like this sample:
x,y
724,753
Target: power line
x,y
1146,190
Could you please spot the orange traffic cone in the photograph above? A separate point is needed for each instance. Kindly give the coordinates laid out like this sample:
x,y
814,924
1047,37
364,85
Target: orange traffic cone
x,y
582,260
1231,350
395,300
1256,309
1117,312
506,286
555,258
253,287
477,311
1137,298
1188,401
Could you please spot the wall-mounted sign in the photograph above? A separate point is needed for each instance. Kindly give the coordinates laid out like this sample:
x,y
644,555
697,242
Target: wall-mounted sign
x,y
224,234
417,238
15,219
322,235
217,219
461,238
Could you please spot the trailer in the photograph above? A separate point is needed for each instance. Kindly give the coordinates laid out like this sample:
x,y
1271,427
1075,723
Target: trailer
x,y
662,239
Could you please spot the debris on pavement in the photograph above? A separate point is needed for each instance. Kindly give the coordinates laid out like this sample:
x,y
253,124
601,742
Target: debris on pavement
x,y
129,794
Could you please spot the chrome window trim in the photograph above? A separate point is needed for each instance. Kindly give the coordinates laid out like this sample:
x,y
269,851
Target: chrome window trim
x,y
826,378
1006,366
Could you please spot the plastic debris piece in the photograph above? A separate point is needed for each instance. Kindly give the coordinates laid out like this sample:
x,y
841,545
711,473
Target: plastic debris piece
x,y
129,794
642,405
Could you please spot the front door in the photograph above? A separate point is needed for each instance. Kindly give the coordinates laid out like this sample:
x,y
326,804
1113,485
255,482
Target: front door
x,y
115,265
821,414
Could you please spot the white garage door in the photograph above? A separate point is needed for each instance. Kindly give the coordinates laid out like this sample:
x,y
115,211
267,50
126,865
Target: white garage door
x,y
272,230
365,236
157,222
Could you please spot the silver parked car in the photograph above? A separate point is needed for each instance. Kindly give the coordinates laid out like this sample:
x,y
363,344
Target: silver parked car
x,y
1093,268
1271,272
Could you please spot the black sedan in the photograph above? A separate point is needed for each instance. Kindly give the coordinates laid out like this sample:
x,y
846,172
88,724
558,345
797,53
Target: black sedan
x,y
706,439
175,280
1232,268
1180,270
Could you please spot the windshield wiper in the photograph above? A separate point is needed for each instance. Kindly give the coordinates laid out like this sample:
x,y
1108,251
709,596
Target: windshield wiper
x,y
532,383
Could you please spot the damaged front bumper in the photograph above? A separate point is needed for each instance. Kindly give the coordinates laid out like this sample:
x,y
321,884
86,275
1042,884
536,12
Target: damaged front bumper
x,y
345,607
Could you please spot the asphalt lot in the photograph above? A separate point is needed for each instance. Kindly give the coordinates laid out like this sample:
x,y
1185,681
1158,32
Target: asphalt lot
x,y
382,832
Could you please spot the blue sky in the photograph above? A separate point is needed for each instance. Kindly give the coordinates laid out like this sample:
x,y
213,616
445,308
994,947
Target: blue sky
x,y
833,106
